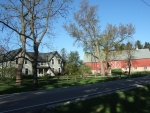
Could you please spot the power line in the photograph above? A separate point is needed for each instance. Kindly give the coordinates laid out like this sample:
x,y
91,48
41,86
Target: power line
x,y
145,3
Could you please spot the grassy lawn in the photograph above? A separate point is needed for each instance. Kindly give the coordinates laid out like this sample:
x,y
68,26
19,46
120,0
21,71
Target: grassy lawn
x,y
132,101
51,84
8,87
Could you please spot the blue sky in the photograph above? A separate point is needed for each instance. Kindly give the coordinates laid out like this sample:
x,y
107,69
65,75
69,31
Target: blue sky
x,y
110,11
114,12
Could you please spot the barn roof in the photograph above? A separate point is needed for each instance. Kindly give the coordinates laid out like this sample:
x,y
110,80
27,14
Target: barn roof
x,y
135,54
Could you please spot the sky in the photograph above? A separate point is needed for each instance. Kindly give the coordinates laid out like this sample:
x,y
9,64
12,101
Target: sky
x,y
113,12
110,11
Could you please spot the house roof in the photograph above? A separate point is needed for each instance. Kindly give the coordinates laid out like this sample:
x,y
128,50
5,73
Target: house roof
x,y
9,56
42,57
135,54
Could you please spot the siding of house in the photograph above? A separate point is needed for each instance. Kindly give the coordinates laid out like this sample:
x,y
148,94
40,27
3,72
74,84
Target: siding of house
x,y
45,65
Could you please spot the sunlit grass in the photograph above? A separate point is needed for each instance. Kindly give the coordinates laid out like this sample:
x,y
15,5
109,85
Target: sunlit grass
x,y
133,101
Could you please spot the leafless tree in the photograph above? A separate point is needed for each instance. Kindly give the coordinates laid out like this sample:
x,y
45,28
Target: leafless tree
x,y
129,53
32,19
86,30
14,16
111,37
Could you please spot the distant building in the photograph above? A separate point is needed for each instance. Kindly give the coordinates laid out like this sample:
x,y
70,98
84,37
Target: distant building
x,y
48,63
140,61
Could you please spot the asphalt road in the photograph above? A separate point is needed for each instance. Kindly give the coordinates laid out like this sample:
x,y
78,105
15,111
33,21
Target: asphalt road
x,y
34,102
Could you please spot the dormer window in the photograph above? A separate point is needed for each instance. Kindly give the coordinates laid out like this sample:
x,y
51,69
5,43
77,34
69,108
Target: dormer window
x,y
52,61
25,60
59,61
26,71
16,60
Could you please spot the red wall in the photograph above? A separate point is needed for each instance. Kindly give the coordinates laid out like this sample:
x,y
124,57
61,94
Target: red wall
x,y
121,64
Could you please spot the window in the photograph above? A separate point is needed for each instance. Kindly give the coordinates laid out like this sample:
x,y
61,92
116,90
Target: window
x,y
135,68
40,71
53,69
41,63
145,67
16,60
26,71
10,63
58,70
58,61
25,60
52,61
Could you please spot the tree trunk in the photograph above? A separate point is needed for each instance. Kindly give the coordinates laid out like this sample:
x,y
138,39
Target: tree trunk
x,y
34,65
20,62
19,74
129,69
100,59
108,69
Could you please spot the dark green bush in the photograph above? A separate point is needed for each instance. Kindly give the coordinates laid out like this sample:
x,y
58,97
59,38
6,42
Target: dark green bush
x,y
141,73
27,76
117,71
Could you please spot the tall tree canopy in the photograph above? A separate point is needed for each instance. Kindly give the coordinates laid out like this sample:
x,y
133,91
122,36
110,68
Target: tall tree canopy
x,y
86,30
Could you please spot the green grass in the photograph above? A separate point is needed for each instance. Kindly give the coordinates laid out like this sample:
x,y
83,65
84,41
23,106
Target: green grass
x,y
133,101
52,83
43,84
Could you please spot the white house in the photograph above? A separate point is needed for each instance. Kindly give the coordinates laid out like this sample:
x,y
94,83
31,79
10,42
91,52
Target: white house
x,y
48,63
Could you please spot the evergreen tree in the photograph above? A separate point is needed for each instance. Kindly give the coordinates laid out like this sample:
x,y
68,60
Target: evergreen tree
x,y
147,45
138,44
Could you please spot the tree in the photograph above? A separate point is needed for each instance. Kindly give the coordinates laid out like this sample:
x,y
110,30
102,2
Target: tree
x,y
138,44
41,14
86,30
122,46
85,70
147,45
73,63
129,56
63,54
14,16
129,46
36,18
112,37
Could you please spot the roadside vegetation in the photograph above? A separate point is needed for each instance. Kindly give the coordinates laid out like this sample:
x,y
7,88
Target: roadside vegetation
x,y
8,86
132,101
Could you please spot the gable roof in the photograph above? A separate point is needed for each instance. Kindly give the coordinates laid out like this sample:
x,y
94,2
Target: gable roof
x,y
136,54
43,57
9,56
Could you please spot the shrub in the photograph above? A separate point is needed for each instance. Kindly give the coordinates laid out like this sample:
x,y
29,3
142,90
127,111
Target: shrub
x,y
8,72
117,71
27,76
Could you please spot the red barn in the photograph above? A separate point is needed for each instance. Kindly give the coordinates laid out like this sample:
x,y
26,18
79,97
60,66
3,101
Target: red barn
x,y
140,61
